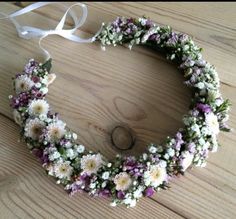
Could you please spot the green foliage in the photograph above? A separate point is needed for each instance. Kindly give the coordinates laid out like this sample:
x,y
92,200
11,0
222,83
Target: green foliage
x,y
48,65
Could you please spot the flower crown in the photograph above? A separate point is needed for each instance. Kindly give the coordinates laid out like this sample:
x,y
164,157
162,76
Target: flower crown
x,y
127,178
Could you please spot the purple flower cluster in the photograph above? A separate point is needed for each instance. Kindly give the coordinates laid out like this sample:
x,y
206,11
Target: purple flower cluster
x,y
149,192
36,93
205,108
104,193
30,66
178,141
183,38
41,155
188,62
173,39
191,147
127,27
21,100
81,183
133,167
155,37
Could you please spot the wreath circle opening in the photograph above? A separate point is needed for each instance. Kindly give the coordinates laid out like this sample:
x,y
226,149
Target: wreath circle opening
x,y
127,178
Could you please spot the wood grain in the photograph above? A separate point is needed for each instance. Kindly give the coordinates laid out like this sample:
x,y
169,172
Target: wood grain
x,y
96,90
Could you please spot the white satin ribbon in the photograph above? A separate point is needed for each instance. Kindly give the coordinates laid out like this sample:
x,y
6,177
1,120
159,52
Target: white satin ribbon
x,y
27,32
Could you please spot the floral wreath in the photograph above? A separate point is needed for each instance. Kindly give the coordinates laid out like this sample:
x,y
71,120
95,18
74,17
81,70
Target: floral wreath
x,y
127,178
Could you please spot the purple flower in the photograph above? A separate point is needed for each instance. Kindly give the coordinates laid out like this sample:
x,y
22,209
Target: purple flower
x,y
132,166
155,37
149,23
128,31
130,163
179,141
173,39
105,193
120,195
205,153
15,103
74,187
201,63
29,67
39,153
130,20
116,22
154,158
183,38
191,147
193,79
85,180
22,100
65,142
35,79
205,108
36,93
187,63
149,192
194,112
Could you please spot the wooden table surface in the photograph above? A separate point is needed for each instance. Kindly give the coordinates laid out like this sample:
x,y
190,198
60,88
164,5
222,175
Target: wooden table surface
x,y
97,90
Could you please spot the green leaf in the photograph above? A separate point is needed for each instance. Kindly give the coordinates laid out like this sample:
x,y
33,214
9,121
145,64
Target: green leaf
x,y
225,129
48,65
62,151
224,106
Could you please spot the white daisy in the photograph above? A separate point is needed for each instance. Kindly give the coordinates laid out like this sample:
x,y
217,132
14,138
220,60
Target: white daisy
x,y
104,184
196,129
17,117
155,176
162,163
56,130
122,181
34,128
91,163
54,155
63,170
23,83
38,107
152,149
212,123
70,153
187,160
200,85
80,148
171,152
44,90
139,192
130,202
106,175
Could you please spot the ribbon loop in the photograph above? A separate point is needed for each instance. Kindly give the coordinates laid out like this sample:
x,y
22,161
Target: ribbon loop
x,y
28,32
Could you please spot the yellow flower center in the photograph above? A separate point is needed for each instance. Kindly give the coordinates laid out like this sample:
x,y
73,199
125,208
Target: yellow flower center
x,y
37,130
22,85
90,165
155,174
38,109
55,133
63,169
123,181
